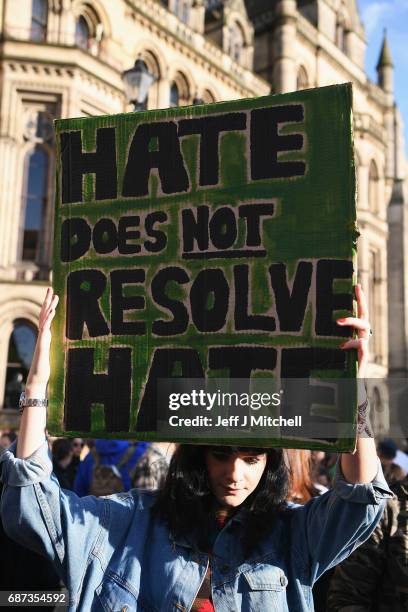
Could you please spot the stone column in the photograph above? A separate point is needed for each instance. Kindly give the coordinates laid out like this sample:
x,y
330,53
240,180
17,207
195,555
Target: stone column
x,y
397,299
11,180
284,33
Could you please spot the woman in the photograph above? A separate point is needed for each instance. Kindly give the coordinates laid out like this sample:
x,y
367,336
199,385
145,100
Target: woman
x,y
134,551
302,487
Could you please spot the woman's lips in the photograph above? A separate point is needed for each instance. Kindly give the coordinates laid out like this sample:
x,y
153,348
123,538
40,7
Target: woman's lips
x,y
231,491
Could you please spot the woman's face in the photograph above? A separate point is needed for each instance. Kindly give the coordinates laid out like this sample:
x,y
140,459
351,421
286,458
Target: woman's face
x,y
234,476
77,446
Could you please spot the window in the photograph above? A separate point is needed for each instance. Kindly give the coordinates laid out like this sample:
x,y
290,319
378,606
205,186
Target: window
x,y
174,95
373,187
340,35
82,33
89,29
207,96
184,12
34,203
236,42
20,354
302,80
181,9
39,18
342,29
180,91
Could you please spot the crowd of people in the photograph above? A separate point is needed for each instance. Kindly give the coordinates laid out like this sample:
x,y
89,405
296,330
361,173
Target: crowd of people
x,y
374,578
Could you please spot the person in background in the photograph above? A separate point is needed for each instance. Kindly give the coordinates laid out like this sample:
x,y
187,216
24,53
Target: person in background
x,y
120,455
78,450
151,470
21,568
7,438
62,457
302,486
77,447
375,576
302,489
320,474
387,451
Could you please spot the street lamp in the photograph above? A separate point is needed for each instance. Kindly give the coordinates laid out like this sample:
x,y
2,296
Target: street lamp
x,y
137,81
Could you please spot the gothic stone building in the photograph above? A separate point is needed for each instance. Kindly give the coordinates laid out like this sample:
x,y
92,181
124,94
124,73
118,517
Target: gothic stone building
x,y
65,58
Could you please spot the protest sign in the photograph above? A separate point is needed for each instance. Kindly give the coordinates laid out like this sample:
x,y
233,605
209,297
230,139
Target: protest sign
x,y
199,242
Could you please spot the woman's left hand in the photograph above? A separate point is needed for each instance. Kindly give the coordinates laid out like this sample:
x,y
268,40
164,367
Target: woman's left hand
x,y
362,326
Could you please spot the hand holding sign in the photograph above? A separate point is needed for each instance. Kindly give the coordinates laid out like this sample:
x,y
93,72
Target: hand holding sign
x,y
363,328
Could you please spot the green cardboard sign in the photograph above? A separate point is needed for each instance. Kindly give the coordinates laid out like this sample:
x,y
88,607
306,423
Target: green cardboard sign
x,y
194,242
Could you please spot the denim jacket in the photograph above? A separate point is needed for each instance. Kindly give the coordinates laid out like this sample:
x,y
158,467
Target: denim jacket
x,y
114,556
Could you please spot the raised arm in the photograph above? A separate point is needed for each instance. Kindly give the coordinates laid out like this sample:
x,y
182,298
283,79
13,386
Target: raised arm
x,y
34,418
362,465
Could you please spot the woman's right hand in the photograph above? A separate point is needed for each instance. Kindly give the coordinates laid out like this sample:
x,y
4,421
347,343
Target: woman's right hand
x,y
40,366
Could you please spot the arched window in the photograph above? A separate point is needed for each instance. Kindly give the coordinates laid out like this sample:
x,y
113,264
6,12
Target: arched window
x,y
39,19
236,41
373,187
174,95
34,203
89,29
207,97
302,80
151,62
82,33
180,91
20,354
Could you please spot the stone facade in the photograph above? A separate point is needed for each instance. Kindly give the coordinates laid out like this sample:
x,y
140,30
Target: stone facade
x,y
65,58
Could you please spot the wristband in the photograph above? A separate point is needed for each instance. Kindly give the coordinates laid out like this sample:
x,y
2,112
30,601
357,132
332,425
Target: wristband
x,y
24,402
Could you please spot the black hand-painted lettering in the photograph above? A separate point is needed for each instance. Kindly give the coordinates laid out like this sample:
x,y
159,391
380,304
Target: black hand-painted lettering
x,y
160,239
84,288
84,388
266,142
163,365
291,305
210,285
179,323
327,301
209,129
120,302
75,163
167,159
244,320
75,238
253,213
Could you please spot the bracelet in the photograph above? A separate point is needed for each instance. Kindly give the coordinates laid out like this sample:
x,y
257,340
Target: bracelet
x,y
27,402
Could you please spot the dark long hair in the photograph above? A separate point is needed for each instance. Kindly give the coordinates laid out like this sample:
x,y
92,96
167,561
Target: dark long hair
x,y
186,502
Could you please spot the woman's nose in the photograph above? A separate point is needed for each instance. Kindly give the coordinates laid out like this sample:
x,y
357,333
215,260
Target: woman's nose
x,y
235,472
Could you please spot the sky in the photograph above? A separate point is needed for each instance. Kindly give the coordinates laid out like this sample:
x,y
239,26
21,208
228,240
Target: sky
x,y
393,15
